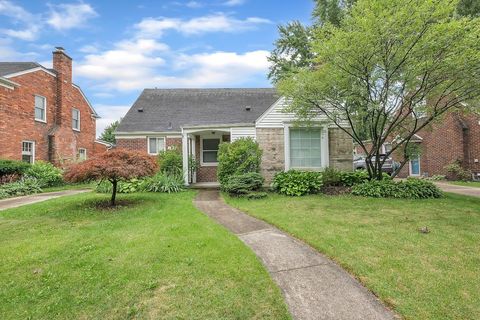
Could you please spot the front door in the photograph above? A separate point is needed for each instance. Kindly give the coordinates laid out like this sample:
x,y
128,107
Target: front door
x,y
415,166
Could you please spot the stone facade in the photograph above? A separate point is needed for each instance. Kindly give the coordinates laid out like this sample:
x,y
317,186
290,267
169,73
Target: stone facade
x,y
55,140
271,142
340,146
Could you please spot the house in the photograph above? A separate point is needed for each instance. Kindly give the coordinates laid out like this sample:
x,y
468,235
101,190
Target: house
x,y
43,114
196,121
453,138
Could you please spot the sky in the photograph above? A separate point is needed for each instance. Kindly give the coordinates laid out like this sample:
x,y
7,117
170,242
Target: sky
x,y
121,47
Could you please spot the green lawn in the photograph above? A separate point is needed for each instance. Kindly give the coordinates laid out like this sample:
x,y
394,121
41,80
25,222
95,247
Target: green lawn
x,y
422,276
74,186
156,258
475,184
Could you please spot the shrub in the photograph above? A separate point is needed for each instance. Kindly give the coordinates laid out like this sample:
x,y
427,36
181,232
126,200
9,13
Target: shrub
x,y
349,179
243,183
409,189
127,186
332,177
236,158
297,183
164,183
456,172
46,173
170,162
22,187
256,195
8,167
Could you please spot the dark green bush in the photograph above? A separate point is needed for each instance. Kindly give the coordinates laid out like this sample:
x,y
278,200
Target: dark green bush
x,y
256,195
332,177
22,187
351,178
46,173
168,183
297,183
243,183
8,167
170,162
408,189
238,157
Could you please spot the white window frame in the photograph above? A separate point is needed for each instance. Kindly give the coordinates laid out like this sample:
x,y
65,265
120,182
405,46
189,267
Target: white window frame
x,y
79,117
209,137
44,120
324,157
419,168
32,153
79,153
158,151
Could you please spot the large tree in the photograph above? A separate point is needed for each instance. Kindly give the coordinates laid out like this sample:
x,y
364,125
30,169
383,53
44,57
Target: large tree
x,y
389,70
113,166
108,134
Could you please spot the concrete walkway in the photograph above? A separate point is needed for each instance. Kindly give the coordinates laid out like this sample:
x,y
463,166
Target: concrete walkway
x,y
34,198
466,191
314,287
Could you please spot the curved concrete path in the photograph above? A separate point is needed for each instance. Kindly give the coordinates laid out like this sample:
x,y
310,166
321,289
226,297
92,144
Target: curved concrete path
x,y
463,190
39,197
314,287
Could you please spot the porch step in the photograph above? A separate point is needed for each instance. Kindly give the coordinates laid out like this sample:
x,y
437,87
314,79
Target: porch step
x,y
205,185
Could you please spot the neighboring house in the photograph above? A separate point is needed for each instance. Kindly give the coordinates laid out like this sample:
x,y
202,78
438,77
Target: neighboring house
x,y
454,138
197,120
43,114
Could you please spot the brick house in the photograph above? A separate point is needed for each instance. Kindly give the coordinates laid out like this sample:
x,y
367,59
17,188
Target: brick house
x,y
43,114
454,138
197,120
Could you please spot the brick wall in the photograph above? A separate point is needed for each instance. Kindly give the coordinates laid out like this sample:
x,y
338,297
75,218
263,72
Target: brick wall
x,y
17,118
139,144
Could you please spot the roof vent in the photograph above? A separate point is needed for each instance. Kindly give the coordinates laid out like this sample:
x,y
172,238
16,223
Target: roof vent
x,y
140,110
248,108
170,126
59,49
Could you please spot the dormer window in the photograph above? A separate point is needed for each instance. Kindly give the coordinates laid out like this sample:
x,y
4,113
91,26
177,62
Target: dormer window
x,y
76,119
40,109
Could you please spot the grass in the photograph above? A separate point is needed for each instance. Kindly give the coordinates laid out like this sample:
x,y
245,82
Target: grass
x,y
154,257
475,184
422,276
74,186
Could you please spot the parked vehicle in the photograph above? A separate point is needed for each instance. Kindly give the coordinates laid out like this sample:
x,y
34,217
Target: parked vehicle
x,y
388,166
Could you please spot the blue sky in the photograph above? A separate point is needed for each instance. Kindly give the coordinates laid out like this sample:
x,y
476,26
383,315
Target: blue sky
x,y
121,47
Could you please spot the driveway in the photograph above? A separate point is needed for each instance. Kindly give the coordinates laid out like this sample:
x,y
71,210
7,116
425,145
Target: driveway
x,y
34,198
463,190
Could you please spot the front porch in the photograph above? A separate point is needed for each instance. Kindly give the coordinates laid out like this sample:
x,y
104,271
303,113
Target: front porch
x,y
200,147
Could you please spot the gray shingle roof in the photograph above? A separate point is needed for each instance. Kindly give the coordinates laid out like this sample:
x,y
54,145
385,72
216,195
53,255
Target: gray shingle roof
x,y
167,110
14,67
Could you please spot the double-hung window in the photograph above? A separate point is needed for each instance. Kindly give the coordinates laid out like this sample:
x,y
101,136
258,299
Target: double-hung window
x,y
305,148
156,145
75,119
28,151
210,151
82,154
40,109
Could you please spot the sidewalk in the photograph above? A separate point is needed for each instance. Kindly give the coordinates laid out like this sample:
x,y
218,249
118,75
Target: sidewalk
x,y
463,190
314,287
34,198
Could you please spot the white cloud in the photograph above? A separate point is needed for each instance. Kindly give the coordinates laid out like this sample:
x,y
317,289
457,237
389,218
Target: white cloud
x,y
88,49
194,4
7,52
232,3
108,114
219,22
30,22
72,15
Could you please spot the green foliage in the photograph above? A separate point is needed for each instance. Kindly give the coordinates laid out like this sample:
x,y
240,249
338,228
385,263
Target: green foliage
x,y
236,158
456,172
243,184
255,195
408,189
108,134
469,8
170,162
298,183
164,183
8,167
46,173
331,11
351,178
24,186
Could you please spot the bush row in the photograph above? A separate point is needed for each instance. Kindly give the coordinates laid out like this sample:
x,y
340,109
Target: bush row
x,y
409,189
160,182
22,187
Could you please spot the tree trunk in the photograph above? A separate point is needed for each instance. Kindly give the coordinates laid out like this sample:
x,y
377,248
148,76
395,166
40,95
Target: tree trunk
x,y
114,192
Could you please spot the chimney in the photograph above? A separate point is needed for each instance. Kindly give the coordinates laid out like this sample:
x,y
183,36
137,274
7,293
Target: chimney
x,y
62,64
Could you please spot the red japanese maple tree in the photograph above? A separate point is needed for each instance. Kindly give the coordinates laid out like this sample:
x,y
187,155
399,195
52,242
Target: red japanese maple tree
x,y
114,166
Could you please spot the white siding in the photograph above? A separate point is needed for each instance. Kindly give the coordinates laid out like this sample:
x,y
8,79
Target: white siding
x,y
242,132
274,117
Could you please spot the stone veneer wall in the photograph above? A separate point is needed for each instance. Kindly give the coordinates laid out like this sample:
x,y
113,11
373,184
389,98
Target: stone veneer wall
x,y
271,141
